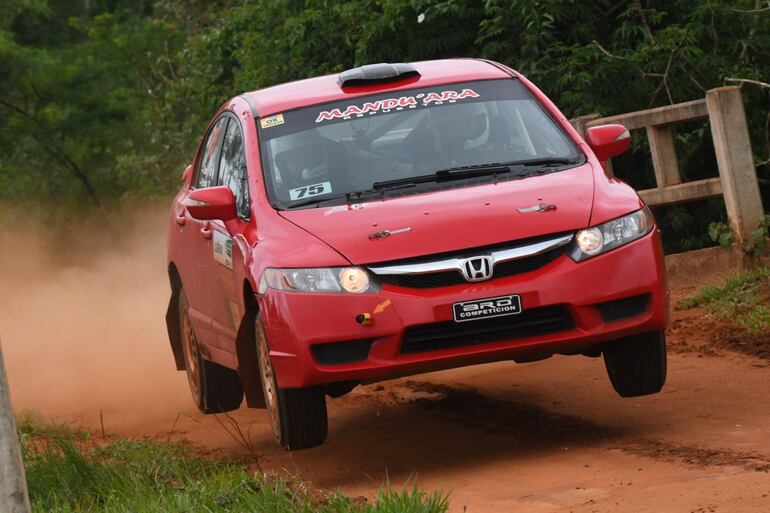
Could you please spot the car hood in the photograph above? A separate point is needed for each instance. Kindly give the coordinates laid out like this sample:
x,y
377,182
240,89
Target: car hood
x,y
448,220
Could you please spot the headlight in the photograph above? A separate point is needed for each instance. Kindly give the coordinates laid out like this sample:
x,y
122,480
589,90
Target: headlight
x,y
612,234
322,279
354,279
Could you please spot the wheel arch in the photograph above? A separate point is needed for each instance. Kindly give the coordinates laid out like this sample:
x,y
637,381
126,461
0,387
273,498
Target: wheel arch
x,y
246,350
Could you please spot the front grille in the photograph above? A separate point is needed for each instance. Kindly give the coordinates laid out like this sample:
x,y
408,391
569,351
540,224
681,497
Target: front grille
x,y
447,278
445,335
623,308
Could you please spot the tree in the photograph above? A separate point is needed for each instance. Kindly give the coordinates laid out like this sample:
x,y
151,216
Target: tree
x,y
104,99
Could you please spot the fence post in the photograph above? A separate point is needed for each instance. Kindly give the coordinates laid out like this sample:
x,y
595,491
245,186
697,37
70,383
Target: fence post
x,y
735,159
663,153
13,486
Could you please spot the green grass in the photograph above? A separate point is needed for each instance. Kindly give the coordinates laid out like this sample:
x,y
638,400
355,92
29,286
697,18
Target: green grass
x,y
70,474
743,299
33,424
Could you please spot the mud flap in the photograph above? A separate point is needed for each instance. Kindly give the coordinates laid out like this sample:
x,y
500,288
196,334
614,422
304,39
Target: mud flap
x,y
248,367
174,330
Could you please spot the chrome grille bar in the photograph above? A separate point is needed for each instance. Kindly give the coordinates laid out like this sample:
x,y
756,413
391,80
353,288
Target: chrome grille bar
x,y
455,264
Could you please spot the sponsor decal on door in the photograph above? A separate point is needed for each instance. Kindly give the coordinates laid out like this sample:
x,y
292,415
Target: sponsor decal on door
x,y
223,249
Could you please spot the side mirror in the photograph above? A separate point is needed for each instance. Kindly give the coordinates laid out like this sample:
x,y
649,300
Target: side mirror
x,y
608,141
211,203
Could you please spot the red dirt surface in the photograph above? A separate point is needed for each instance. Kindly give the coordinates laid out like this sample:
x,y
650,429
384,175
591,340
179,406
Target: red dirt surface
x,y
704,333
84,333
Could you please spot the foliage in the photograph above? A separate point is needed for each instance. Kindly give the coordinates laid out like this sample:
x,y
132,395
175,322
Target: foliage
x,y
722,234
130,475
758,241
71,112
106,99
743,299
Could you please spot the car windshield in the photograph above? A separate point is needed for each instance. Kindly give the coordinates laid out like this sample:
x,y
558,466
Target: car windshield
x,y
370,147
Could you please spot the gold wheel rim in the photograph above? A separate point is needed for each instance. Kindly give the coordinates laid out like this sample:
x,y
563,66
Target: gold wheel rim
x,y
191,353
268,382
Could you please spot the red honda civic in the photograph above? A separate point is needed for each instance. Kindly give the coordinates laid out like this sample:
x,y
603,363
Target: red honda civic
x,y
403,218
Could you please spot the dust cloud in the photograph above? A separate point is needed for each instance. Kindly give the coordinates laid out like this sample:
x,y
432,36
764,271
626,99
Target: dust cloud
x,y
82,322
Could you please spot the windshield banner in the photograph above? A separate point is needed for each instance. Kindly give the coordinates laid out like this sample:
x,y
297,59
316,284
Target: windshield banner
x,y
388,104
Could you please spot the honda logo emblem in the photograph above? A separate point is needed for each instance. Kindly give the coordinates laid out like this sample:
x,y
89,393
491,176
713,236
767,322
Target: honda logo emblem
x,y
477,268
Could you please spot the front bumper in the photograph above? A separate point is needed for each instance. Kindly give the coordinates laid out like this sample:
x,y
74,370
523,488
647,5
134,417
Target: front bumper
x,y
296,321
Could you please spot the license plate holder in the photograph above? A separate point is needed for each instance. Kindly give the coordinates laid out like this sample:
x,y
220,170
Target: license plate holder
x,y
486,308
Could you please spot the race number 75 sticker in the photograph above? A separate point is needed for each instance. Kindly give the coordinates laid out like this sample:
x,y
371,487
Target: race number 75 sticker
x,y
310,190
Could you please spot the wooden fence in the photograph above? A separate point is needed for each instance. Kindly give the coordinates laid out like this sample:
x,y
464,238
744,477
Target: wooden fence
x,y
737,180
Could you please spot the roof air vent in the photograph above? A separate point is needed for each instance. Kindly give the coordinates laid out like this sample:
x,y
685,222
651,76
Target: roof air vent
x,y
376,74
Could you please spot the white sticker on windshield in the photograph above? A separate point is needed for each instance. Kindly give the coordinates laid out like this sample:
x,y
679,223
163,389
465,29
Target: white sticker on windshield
x,y
310,190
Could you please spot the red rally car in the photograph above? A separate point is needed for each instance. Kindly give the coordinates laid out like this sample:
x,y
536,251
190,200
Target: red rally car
x,y
404,218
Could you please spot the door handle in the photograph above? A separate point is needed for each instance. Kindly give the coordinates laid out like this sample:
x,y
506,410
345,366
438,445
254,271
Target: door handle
x,y
206,231
181,220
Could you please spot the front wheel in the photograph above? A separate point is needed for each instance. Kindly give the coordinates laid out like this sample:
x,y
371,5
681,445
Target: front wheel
x,y
297,415
636,365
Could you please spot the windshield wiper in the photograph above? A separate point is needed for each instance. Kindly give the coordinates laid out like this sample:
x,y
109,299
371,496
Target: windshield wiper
x,y
316,201
547,162
461,172
442,175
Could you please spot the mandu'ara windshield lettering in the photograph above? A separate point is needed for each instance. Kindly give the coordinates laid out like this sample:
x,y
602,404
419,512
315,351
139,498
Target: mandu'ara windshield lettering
x,y
388,104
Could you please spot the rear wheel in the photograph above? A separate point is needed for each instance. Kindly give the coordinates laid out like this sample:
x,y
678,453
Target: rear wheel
x,y
297,415
214,388
636,365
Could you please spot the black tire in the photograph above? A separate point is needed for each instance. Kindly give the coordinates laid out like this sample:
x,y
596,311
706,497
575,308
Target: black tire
x,y
297,415
214,388
636,365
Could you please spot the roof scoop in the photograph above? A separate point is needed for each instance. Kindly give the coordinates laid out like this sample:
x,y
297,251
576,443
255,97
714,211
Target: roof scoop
x,y
376,74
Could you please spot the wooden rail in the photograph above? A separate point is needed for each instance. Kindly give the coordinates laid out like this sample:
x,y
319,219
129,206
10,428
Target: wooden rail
x,y
737,180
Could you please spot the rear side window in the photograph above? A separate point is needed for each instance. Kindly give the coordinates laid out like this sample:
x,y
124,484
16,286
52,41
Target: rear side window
x,y
232,168
207,173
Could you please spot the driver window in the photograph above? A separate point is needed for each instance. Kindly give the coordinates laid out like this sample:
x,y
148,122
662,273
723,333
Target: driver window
x,y
232,168
207,173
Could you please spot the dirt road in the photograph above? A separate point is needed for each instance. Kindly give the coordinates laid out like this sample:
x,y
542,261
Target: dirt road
x,y
549,436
